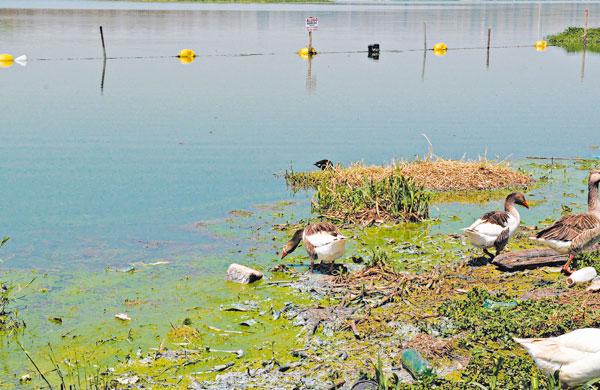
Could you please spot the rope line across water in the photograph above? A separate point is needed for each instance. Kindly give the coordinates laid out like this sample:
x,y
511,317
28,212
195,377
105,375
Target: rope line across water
x,y
274,54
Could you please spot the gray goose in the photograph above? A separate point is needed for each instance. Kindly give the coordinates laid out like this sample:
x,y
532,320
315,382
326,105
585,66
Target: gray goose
x,y
575,233
322,241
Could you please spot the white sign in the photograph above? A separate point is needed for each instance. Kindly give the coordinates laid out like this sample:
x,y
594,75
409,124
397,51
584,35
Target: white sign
x,y
312,23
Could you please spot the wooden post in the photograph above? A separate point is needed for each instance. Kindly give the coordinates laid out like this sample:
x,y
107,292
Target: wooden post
x,y
310,41
102,38
424,36
586,15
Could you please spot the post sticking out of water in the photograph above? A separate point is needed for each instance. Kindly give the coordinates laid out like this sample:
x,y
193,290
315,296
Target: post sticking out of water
x,y
586,15
102,38
424,36
310,41
489,40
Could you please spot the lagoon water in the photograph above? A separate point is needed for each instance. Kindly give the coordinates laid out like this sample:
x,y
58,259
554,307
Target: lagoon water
x,y
97,177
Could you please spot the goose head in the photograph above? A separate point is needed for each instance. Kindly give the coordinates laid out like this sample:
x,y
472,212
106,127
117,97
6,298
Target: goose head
x,y
517,198
292,244
594,178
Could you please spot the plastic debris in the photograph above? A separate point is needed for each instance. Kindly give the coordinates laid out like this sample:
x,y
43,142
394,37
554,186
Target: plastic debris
x,y
495,305
415,364
583,275
122,317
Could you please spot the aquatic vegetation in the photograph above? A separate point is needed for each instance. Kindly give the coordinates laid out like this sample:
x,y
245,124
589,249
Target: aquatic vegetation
x,y
394,198
8,319
572,39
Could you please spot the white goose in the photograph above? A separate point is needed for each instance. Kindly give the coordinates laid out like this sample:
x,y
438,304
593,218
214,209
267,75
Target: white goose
x,y
575,355
322,241
495,228
567,234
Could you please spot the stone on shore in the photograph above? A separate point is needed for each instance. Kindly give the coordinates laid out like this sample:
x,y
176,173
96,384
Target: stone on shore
x,y
242,274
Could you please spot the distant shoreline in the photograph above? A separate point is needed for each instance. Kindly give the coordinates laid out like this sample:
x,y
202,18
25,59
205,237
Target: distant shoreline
x,y
236,1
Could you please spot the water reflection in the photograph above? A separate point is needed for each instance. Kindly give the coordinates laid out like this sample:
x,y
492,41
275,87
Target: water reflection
x,y
311,81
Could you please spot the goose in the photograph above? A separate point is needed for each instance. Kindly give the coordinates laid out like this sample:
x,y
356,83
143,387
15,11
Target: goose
x,y
570,234
495,228
324,164
322,241
575,355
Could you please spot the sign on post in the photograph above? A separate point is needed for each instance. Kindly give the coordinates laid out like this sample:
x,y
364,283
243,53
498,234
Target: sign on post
x,y
312,23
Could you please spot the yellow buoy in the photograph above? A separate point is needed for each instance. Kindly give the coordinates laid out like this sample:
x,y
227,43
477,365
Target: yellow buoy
x,y
187,53
305,52
541,45
6,60
441,46
186,60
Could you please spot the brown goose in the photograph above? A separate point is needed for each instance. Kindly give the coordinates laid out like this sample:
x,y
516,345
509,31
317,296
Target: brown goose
x,y
574,233
322,241
495,228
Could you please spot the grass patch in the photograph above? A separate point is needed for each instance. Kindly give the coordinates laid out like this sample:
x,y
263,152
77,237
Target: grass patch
x,y
572,39
401,191
393,198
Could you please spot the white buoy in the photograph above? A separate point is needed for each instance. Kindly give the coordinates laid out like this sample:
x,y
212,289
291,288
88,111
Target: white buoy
x,y
21,60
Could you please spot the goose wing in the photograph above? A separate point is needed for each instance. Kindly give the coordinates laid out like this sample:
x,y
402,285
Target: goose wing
x,y
491,224
569,227
321,234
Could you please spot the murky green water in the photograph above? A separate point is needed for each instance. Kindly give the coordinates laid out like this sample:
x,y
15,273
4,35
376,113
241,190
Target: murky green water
x,y
147,168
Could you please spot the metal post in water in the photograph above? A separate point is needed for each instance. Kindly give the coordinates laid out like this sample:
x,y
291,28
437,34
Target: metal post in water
x,y
310,41
489,40
102,38
424,36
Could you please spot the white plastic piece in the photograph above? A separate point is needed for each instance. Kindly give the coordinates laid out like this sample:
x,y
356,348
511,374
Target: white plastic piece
x,y
21,60
582,276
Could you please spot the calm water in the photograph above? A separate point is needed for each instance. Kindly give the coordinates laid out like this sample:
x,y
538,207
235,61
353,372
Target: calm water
x,y
93,178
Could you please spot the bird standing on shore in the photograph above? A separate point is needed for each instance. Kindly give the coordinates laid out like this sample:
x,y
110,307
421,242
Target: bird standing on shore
x,y
495,228
322,241
573,233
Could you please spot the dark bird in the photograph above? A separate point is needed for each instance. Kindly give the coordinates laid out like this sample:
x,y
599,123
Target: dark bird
x,y
324,164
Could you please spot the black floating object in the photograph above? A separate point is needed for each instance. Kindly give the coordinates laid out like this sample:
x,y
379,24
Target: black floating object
x,y
374,51
324,164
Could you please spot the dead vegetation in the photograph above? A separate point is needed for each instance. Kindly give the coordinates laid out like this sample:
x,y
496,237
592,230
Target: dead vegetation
x,y
433,174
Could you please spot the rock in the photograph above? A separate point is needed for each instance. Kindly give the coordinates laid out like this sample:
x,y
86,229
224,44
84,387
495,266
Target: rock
x,y
242,274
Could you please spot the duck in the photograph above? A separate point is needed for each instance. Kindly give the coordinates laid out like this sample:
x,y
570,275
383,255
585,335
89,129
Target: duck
x,y
574,233
575,355
323,241
495,228
324,164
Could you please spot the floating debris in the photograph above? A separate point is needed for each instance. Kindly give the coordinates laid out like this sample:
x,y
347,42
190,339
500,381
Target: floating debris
x,y
122,317
241,307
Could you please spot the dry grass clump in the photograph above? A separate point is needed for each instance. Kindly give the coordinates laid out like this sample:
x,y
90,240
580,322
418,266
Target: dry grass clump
x,y
433,174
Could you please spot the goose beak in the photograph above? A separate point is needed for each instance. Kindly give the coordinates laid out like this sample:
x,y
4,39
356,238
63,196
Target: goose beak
x,y
283,254
526,205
